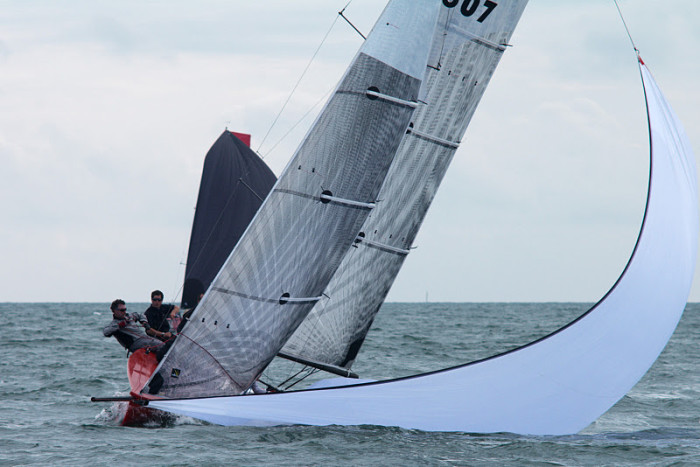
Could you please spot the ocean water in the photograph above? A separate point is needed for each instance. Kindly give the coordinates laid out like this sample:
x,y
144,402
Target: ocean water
x,y
54,358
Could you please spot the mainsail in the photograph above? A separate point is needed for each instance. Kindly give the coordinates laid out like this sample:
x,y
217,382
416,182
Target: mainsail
x,y
235,181
468,42
285,259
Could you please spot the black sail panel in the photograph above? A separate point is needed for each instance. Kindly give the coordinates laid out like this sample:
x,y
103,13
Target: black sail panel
x,y
235,181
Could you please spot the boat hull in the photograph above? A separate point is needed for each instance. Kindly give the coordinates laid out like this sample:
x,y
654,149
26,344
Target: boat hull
x,y
140,367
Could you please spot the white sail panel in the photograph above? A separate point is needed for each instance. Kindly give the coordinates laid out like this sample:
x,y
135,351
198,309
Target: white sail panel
x,y
283,262
557,385
464,55
389,43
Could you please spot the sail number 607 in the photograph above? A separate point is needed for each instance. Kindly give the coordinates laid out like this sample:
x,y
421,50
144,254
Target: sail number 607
x,y
469,7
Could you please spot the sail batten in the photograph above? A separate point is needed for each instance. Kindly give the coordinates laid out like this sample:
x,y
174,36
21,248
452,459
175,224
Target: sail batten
x,y
347,202
382,246
482,41
392,99
326,198
283,299
434,139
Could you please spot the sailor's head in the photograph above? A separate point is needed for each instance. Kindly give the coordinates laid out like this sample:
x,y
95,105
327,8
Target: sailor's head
x,y
118,308
156,298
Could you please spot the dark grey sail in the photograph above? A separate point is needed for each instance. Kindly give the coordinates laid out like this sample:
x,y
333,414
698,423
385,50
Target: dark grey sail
x,y
235,181
285,259
468,44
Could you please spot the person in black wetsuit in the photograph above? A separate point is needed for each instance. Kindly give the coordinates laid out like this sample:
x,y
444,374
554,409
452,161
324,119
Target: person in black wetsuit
x,y
158,314
130,329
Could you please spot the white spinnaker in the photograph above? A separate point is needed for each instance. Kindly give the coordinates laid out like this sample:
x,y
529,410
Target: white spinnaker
x,y
292,247
556,385
465,53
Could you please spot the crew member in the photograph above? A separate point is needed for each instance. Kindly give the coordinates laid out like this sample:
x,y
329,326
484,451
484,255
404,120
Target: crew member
x,y
130,329
158,315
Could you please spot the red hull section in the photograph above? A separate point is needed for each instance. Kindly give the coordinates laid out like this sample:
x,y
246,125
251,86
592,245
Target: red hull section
x,y
140,367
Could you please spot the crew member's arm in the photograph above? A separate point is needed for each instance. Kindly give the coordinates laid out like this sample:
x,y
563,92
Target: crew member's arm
x,y
155,333
115,326
152,331
111,328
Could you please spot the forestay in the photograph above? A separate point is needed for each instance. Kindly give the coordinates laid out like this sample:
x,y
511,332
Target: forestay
x,y
284,261
468,42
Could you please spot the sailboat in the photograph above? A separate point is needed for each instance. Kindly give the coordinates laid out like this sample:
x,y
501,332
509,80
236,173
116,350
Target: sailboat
x,y
234,183
295,243
556,385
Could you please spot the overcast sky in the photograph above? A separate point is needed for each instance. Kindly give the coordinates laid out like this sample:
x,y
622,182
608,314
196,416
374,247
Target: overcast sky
x,y
107,109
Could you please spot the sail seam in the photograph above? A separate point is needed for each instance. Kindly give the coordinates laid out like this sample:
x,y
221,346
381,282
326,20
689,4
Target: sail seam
x,y
434,139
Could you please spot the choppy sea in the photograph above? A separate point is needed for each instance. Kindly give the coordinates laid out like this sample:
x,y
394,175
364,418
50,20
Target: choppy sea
x,y
54,357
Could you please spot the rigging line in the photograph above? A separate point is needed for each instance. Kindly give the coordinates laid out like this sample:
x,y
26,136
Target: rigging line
x,y
178,287
340,13
182,273
221,367
292,377
297,84
250,188
444,40
270,386
310,372
275,374
323,98
626,28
